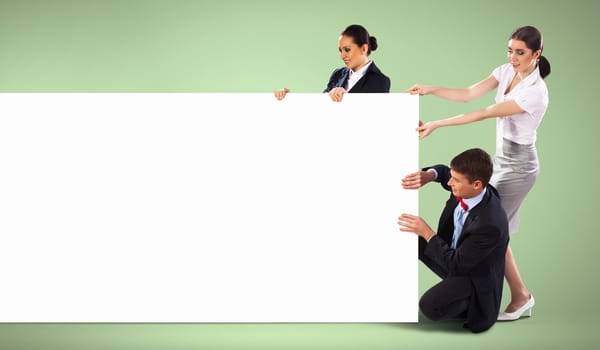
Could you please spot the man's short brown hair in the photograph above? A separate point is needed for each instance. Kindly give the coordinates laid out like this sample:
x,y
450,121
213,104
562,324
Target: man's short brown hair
x,y
474,164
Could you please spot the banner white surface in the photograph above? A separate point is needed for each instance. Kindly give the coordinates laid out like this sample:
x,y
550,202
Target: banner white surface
x,y
206,208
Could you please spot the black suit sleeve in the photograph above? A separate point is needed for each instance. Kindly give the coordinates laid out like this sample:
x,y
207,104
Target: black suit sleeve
x,y
438,269
482,241
336,79
443,175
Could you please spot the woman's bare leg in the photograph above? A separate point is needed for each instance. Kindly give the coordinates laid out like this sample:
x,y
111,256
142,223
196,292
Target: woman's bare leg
x,y
519,295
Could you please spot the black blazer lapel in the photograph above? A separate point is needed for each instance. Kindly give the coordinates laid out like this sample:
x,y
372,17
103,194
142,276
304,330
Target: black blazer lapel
x,y
359,86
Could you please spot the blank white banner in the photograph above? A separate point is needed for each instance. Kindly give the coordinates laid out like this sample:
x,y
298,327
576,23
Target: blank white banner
x,y
206,208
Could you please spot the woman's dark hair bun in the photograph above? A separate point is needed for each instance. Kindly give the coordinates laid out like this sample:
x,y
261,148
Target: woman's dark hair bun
x,y
372,43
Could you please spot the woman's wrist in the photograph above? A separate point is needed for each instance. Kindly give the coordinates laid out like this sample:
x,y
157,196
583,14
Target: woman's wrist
x,y
432,90
437,124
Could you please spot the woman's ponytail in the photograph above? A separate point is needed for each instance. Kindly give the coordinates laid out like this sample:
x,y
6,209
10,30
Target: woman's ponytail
x,y
544,66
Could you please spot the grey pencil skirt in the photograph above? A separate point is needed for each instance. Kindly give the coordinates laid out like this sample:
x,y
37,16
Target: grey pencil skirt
x,y
516,167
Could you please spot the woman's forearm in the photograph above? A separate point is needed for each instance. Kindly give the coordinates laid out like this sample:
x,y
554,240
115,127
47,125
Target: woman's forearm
x,y
457,94
498,110
427,128
502,109
452,94
465,118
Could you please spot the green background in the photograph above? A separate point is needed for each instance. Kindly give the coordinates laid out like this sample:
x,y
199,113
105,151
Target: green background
x,y
257,46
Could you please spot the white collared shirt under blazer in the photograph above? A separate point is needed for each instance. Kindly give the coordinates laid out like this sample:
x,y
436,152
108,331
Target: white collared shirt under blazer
x,y
531,94
354,77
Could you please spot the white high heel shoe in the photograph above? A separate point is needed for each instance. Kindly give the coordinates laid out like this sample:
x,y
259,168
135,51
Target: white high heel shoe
x,y
511,316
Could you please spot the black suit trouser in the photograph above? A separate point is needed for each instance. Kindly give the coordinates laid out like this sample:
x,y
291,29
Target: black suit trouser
x,y
448,299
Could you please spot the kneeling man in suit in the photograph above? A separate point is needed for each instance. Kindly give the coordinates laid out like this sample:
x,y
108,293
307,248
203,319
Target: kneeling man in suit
x,y
468,250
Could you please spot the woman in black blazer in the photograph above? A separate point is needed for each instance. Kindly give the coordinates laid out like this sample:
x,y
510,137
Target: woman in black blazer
x,y
360,74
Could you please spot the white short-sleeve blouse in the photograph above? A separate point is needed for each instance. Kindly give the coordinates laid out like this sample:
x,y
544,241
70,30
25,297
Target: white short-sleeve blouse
x,y
531,95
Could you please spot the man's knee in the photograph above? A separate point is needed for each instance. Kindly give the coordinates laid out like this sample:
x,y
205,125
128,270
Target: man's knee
x,y
437,306
430,308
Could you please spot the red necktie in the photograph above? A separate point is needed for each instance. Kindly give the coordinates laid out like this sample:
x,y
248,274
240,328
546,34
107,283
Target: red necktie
x,y
464,206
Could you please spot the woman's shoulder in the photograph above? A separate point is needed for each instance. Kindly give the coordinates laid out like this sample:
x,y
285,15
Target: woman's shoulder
x,y
375,80
338,71
373,69
502,70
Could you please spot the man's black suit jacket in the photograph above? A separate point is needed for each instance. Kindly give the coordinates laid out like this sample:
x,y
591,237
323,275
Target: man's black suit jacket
x,y
479,254
373,80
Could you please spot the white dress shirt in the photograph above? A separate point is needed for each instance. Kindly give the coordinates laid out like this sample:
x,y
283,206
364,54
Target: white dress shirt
x,y
460,216
355,76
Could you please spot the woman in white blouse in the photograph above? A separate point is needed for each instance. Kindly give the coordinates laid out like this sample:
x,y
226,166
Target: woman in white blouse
x,y
521,101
